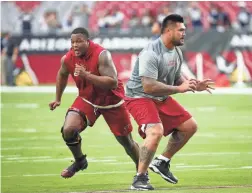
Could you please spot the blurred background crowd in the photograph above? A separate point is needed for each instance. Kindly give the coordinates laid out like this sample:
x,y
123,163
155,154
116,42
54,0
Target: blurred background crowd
x,y
217,30
52,17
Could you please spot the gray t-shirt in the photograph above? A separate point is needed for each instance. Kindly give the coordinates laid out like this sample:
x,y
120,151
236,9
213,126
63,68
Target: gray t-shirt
x,y
157,62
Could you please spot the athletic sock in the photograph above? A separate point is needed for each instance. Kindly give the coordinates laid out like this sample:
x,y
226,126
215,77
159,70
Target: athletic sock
x,y
163,158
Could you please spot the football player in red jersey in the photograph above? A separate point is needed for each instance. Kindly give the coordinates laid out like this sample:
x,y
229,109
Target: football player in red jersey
x,y
100,93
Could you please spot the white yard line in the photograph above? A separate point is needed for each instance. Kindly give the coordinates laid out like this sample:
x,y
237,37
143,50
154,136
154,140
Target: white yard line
x,y
52,130
28,130
73,89
27,158
26,147
7,156
109,160
119,163
123,172
239,138
223,136
203,169
246,167
206,109
36,89
197,166
211,135
108,157
209,153
50,160
46,147
189,189
20,105
30,138
13,130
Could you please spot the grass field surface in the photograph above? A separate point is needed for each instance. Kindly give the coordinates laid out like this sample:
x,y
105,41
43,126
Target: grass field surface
x,y
217,159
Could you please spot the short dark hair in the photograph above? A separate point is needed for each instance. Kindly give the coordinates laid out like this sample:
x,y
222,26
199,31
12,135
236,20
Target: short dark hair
x,y
171,20
81,30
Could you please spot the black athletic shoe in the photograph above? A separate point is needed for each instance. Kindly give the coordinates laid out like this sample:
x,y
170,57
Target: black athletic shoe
x,y
141,182
162,168
75,167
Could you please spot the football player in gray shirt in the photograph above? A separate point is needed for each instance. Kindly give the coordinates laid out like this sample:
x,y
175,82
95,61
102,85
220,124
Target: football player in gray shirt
x,y
156,76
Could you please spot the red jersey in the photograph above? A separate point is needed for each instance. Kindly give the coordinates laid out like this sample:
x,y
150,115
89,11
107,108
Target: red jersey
x,y
95,95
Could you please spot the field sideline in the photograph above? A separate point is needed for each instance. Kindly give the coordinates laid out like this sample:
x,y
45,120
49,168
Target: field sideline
x,y
73,89
217,159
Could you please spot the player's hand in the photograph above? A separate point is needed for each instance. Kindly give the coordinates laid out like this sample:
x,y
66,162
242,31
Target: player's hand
x,y
54,104
206,84
188,85
80,71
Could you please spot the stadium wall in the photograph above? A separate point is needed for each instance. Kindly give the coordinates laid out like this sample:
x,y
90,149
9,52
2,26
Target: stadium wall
x,y
206,55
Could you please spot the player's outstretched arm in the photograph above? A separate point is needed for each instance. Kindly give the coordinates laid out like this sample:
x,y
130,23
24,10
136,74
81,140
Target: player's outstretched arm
x,y
107,70
156,88
61,82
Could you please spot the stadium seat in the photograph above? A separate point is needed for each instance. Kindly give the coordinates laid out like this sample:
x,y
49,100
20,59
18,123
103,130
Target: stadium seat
x,y
231,8
27,5
126,7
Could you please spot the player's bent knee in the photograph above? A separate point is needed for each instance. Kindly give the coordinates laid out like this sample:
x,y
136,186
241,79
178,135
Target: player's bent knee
x,y
192,126
75,120
71,136
195,128
189,126
155,131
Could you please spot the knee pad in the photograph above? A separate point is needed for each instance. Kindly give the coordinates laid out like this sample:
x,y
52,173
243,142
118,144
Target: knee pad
x,y
74,140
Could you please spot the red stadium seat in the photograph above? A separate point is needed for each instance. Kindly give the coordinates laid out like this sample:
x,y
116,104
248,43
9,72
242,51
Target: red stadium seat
x,y
126,7
27,5
232,8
